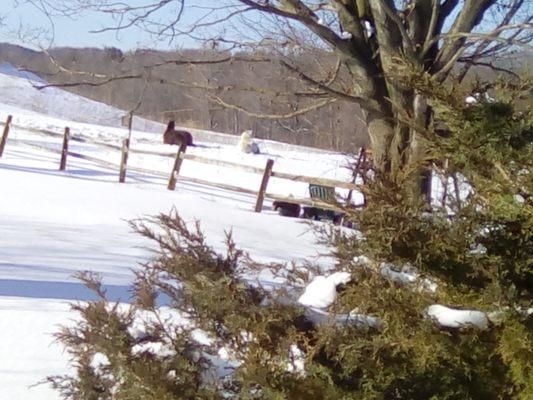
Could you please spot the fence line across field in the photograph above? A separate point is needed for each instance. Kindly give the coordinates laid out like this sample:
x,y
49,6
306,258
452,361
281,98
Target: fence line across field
x,y
144,171
179,157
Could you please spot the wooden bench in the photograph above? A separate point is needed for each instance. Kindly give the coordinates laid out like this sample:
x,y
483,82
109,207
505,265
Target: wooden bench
x,y
327,195
324,194
322,203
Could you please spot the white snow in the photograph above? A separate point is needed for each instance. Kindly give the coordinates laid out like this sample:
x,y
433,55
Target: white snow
x,y
321,292
353,318
296,363
362,320
452,318
55,102
408,275
479,96
386,270
28,351
54,224
369,29
99,361
346,35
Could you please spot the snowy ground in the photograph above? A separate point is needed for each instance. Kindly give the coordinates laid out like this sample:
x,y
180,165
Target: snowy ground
x,y
53,223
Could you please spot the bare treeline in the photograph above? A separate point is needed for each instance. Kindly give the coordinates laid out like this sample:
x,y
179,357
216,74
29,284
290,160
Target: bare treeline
x,y
231,95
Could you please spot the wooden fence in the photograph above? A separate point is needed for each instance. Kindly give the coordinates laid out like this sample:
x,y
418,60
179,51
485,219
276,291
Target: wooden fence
x,y
267,172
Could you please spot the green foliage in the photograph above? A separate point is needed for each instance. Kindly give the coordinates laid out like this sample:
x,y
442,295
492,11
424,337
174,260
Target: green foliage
x,y
477,249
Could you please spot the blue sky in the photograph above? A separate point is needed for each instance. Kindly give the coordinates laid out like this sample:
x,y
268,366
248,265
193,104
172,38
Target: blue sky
x,y
26,20
76,32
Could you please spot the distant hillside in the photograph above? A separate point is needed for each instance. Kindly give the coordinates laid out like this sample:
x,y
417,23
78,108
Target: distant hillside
x,y
171,93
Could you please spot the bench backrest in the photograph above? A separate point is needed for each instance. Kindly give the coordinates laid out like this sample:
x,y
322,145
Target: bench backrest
x,y
324,193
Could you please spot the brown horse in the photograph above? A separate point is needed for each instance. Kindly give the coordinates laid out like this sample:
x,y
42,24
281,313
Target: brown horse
x,y
173,136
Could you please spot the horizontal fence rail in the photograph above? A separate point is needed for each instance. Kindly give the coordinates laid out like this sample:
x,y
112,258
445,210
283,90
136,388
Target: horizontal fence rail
x,y
315,181
266,172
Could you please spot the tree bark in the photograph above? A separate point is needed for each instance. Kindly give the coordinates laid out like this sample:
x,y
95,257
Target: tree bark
x,y
399,148
381,133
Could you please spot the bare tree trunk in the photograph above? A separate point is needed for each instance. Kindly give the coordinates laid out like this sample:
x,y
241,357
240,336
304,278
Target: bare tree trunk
x,y
398,149
381,133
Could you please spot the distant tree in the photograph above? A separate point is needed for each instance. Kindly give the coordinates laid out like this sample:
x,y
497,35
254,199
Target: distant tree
x,y
432,305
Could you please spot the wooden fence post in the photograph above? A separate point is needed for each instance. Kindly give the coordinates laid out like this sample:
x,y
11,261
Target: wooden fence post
x,y
64,150
264,184
124,160
4,135
177,166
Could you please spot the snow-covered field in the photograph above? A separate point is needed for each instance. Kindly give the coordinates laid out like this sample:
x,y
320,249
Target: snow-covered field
x,y
56,223
53,224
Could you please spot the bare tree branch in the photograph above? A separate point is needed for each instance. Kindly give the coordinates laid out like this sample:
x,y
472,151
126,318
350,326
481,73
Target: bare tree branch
x,y
293,114
513,9
470,16
489,65
332,92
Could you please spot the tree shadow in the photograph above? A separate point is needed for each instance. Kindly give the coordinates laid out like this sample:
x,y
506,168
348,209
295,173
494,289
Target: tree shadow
x,y
74,291
60,290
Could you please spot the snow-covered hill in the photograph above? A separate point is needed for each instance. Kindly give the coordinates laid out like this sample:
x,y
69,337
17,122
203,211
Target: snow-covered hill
x,y
19,91
8,69
53,223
